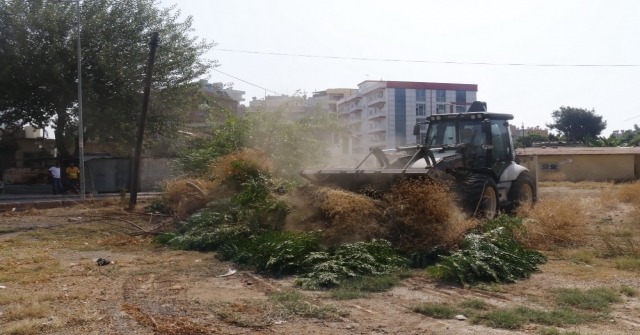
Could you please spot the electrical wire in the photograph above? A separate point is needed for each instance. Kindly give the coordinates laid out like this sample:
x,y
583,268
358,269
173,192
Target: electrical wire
x,y
427,61
244,81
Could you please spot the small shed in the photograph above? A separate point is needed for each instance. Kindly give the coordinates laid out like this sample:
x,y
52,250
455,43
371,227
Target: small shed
x,y
582,163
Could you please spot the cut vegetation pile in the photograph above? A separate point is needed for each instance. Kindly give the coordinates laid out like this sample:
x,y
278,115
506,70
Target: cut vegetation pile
x,y
243,210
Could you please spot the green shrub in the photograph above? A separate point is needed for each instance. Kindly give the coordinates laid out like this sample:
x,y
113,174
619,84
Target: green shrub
x,y
628,291
164,238
272,251
360,287
474,304
597,299
436,311
210,239
491,256
295,303
516,317
360,259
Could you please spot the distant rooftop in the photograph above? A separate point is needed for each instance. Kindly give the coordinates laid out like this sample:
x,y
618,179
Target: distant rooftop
x,y
550,151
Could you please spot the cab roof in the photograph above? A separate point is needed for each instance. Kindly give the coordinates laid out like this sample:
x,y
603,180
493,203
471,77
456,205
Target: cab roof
x,y
471,116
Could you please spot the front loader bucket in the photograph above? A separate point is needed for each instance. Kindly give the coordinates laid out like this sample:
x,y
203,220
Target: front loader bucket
x,y
355,180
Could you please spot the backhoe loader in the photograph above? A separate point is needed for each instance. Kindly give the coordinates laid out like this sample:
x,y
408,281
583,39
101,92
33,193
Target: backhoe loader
x,y
472,150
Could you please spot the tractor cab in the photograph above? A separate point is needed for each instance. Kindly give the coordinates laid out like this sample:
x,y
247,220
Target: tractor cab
x,y
483,137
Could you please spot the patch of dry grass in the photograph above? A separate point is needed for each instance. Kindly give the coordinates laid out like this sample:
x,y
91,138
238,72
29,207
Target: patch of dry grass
x,y
23,327
585,184
620,242
31,310
124,240
167,325
554,223
629,193
627,263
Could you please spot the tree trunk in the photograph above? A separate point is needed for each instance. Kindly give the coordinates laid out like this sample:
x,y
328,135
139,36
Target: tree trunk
x,y
61,123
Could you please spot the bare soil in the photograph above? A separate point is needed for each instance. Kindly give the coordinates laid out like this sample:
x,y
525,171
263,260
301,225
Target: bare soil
x,y
52,284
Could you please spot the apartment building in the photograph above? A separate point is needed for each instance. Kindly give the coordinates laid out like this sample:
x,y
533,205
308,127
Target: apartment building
x,y
297,106
382,113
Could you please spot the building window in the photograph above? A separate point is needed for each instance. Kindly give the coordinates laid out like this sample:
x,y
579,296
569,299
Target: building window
x,y
461,96
442,109
441,96
421,95
421,109
461,109
550,166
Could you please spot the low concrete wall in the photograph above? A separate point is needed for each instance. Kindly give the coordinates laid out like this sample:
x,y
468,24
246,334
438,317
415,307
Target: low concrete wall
x,y
584,167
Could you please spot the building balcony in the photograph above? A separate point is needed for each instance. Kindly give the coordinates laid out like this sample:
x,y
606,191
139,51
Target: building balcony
x,y
378,129
356,108
357,96
376,116
377,101
343,110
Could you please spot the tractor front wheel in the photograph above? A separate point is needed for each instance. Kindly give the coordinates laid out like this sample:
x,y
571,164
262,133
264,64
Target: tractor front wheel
x,y
480,196
522,192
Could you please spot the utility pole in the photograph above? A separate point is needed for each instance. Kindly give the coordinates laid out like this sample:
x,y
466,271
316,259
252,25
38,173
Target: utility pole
x,y
135,169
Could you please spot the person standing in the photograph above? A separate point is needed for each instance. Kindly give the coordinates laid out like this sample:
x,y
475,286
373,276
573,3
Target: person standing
x,y
56,183
72,175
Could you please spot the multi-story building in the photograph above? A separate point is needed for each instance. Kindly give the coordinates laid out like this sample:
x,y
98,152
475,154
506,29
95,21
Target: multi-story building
x,y
216,98
382,113
297,106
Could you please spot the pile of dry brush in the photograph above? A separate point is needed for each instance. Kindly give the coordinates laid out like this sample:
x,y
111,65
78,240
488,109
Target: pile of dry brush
x,y
416,214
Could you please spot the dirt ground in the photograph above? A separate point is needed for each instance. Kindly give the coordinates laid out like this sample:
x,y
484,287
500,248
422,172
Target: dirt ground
x,y
50,284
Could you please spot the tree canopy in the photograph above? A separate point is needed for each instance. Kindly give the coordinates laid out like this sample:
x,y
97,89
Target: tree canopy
x,y
530,138
38,75
577,123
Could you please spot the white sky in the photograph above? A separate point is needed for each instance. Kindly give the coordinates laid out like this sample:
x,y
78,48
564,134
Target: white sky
x,y
558,32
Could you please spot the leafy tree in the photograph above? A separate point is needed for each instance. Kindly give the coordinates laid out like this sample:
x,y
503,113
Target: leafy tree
x,y
290,144
577,123
611,141
530,138
38,74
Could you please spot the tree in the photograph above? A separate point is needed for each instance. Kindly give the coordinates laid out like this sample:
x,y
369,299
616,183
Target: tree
x,y
530,138
38,75
611,141
577,123
290,145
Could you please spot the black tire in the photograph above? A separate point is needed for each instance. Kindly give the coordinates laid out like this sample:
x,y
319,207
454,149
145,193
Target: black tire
x,y
522,192
479,196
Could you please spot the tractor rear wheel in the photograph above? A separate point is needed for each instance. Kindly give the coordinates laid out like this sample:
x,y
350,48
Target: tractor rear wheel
x,y
480,196
522,192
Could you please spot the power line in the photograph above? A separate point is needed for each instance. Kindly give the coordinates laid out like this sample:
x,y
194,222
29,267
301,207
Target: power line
x,y
631,118
244,81
427,61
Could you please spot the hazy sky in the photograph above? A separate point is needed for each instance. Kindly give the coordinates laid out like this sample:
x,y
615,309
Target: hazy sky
x,y
531,32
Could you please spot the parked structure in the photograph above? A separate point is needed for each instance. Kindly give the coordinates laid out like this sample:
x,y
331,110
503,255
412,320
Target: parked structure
x,y
582,163
382,113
